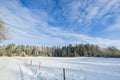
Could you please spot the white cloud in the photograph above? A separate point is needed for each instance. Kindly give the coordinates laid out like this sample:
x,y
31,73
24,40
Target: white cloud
x,y
83,13
106,6
74,10
115,26
89,9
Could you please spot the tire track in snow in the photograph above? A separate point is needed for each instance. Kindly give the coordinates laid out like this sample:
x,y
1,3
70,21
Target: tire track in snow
x,y
25,72
21,73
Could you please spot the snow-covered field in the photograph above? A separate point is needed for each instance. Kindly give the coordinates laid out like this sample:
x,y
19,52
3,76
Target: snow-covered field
x,y
51,68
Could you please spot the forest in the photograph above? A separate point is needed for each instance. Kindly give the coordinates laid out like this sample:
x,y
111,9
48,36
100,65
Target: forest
x,y
84,50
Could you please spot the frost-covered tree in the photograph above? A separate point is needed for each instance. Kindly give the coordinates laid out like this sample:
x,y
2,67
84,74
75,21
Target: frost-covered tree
x,y
3,31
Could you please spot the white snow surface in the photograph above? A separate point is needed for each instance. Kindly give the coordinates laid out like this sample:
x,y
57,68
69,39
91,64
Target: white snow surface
x,y
51,68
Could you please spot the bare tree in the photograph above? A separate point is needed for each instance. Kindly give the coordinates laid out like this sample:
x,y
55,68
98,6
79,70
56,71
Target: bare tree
x,y
3,31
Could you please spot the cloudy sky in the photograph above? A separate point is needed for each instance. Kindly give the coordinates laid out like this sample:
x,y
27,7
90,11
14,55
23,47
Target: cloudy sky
x,y
60,22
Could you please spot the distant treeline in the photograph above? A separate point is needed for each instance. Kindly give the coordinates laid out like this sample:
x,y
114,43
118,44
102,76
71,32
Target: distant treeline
x,y
87,50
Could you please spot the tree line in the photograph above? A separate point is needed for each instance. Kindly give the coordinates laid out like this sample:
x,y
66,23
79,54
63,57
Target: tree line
x,y
86,50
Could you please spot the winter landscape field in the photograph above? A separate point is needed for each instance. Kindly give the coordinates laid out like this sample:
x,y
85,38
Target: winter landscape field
x,y
51,68
59,40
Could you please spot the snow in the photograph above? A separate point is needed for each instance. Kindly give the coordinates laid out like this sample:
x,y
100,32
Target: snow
x,y
51,68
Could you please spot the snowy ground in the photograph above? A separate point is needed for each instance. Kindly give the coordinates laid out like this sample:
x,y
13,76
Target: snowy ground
x,y
51,68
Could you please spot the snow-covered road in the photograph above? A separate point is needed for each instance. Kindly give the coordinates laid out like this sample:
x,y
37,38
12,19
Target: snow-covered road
x,y
13,69
9,69
51,68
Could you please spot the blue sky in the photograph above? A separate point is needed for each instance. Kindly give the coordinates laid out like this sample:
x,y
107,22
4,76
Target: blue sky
x,y
60,22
